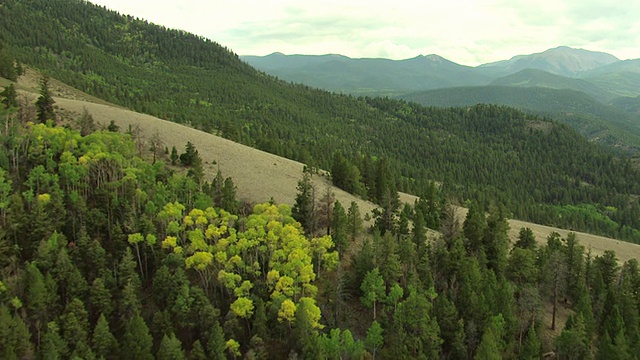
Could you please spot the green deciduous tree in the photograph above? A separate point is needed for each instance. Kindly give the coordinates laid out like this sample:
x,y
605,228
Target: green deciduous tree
x,y
375,338
373,289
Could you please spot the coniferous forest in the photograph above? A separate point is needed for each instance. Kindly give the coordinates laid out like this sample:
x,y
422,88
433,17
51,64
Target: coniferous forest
x,y
538,169
108,255
110,252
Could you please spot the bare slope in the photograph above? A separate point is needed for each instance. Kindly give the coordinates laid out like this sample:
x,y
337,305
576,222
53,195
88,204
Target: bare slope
x,y
260,176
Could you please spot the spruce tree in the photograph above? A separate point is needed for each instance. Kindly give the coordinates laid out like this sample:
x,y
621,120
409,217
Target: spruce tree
x,y
103,342
44,104
137,342
170,348
304,208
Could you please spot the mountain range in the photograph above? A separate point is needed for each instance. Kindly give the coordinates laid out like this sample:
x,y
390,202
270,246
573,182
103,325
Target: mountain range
x,y
561,67
595,92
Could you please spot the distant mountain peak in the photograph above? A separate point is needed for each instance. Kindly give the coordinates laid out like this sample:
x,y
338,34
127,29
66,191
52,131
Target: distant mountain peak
x,y
561,60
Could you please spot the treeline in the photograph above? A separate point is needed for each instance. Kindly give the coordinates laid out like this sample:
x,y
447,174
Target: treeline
x,y
540,170
106,255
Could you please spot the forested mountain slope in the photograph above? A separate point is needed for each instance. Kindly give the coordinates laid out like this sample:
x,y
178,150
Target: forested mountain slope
x,y
540,170
107,250
373,77
603,124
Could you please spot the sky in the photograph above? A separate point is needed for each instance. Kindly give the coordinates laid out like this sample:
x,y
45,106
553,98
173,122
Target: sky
x,y
464,31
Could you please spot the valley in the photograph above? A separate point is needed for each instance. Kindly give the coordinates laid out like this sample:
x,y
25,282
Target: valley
x,y
162,198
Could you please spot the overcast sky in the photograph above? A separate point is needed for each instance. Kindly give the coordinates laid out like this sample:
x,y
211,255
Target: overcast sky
x,y
465,31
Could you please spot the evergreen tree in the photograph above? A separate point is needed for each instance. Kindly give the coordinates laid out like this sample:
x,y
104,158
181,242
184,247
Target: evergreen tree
x,y
492,345
532,347
415,333
304,208
339,223
572,342
9,97
354,222
7,64
197,352
170,348
526,239
190,154
103,342
53,345
451,328
44,104
136,342
174,157
216,343
75,326
474,228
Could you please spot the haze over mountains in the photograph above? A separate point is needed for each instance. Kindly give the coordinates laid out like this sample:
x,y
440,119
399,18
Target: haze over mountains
x,y
434,72
595,92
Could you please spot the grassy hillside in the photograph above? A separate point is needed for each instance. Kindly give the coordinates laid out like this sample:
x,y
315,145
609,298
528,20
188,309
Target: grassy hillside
x,y
537,168
261,176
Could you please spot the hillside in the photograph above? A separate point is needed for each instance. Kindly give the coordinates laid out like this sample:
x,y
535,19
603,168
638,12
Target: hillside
x,y
261,176
371,77
117,241
538,169
539,78
562,60
119,257
603,124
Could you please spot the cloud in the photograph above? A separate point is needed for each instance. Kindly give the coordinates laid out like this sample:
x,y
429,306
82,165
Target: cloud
x,y
469,32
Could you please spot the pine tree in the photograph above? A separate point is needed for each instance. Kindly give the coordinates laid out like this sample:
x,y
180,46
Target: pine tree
x,y
103,342
216,344
44,104
492,346
9,97
53,345
170,348
474,228
532,347
354,222
526,239
339,228
136,342
75,325
197,351
304,208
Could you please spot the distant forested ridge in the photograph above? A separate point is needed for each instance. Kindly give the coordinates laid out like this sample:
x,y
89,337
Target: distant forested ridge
x,y
540,170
